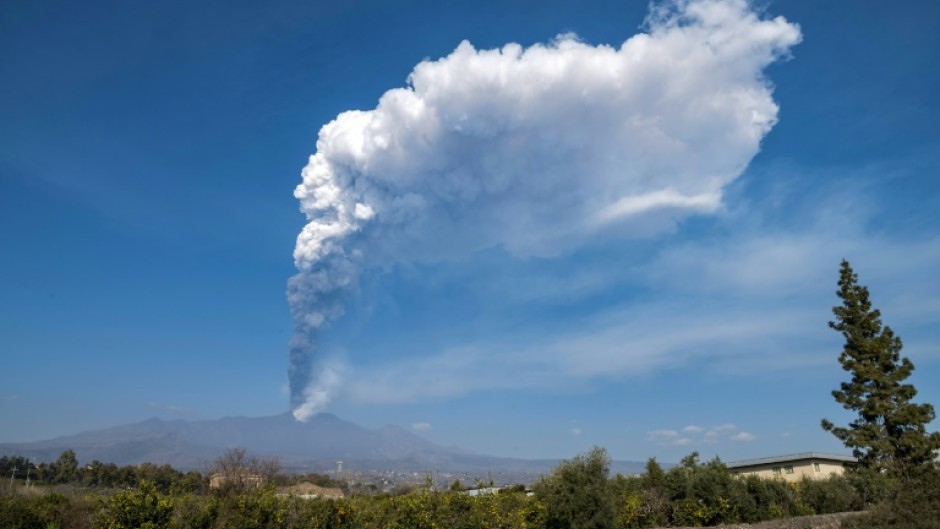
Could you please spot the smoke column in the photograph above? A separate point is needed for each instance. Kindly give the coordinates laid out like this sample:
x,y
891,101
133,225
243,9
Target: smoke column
x,y
536,150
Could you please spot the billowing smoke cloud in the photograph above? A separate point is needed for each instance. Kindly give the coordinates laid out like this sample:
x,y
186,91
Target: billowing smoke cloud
x,y
533,149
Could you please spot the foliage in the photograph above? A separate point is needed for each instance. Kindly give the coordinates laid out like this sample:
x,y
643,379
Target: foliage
x,y
192,511
639,501
889,431
830,495
701,494
252,509
576,493
17,512
143,508
913,503
66,468
10,463
872,486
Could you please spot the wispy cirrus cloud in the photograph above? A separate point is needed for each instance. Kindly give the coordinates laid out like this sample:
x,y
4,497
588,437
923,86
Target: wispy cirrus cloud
x,y
740,333
624,342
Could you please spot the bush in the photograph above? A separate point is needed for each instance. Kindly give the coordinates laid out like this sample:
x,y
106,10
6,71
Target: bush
x,y
253,509
194,512
17,512
576,495
912,503
144,508
830,495
870,485
760,499
702,493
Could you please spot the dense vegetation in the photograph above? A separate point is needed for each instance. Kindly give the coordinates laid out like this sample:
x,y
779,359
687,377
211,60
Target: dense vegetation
x,y
579,493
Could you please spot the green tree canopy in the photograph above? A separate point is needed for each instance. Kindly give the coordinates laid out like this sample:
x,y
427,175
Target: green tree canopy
x,y
890,430
66,467
143,508
576,494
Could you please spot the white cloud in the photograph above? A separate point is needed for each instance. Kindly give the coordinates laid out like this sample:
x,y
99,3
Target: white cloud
x,y
421,426
576,431
667,438
715,433
693,434
536,150
662,434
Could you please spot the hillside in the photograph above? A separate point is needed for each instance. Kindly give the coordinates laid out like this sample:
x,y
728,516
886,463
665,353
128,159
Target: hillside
x,y
314,445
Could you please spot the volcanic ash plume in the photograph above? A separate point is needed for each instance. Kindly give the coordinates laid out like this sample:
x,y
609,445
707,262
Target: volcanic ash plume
x,y
536,150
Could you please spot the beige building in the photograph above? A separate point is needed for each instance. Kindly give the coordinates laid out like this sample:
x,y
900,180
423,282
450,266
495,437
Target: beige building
x,y
794,467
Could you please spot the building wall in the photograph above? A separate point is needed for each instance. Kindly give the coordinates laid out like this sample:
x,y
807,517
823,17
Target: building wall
x,y
794,470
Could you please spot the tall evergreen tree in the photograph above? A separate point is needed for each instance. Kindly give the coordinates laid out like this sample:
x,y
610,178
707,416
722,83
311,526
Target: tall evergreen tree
x,y
890,430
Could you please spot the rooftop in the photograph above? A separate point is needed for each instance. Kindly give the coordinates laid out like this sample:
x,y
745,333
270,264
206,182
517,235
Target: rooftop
x,y
792,457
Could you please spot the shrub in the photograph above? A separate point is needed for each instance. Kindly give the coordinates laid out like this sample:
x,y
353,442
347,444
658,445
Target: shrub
x,y
143,508
833,494
575,494
17,512
912,503
251,509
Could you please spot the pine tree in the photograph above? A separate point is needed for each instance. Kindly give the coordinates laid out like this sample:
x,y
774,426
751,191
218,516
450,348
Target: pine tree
x,y
890,431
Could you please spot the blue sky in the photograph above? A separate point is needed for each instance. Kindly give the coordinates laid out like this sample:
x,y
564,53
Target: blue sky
x,y
149,156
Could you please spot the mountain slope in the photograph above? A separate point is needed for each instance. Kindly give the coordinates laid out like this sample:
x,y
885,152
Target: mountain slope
x,y
191,444
314,445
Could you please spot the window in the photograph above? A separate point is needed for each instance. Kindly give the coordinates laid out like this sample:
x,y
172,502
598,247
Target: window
x,y
788,469
816,466
776,471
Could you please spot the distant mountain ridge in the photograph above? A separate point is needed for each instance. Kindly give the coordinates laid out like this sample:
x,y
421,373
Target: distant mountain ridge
x,y
314,445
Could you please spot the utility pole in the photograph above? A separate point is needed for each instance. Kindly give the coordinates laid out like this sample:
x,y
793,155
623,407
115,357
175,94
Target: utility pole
x,y
11,478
